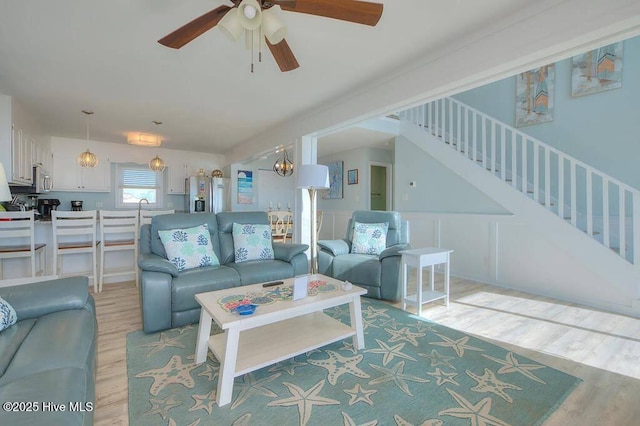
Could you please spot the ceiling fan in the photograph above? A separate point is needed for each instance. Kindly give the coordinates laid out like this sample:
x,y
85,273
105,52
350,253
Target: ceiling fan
x,y
249,14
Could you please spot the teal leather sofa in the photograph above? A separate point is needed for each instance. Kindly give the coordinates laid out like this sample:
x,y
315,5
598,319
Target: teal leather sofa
x,y
379,274
49,355
167,295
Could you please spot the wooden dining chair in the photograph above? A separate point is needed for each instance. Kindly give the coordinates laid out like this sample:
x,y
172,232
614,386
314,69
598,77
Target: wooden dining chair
x,y
281,225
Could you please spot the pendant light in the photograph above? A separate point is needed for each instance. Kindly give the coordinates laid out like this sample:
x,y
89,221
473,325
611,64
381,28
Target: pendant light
x,y
283,166
157,164
87,158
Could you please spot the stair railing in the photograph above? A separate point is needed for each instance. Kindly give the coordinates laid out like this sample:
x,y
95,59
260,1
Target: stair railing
x,y
590,200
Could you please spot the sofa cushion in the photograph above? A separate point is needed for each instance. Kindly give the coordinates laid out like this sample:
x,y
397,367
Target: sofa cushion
x,y
10,341
369,238
189,248
258,271
189,283
179,221
252,242
57,340
225,230
7,315
60,386
357,268
395,234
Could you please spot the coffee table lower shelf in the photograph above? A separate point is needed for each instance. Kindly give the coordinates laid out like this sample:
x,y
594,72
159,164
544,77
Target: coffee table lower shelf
x,y
266,345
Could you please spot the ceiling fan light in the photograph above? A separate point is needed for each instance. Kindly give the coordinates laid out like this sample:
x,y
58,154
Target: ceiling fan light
x,y
272,27
230,25
250,14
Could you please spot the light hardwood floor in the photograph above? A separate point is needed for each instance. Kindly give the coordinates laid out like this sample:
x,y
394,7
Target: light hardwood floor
x,y
601,348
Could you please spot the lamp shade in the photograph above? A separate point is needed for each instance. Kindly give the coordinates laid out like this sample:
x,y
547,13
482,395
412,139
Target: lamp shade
x,y
87,159
230,25
250,14
313,176
5,193
157,164
272,27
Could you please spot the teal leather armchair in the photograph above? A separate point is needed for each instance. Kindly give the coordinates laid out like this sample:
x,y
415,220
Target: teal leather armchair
x,y
379,274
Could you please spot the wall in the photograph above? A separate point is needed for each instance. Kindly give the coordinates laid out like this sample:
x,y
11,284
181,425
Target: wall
x,y
600,129
124,153
489,249
355,197
437,188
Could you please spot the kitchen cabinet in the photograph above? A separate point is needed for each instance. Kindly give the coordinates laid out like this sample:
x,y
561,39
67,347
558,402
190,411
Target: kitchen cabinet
x,y
177,172
16,143
70,176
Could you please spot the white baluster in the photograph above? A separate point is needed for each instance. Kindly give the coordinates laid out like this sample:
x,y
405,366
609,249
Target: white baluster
x,y
589,194
573,184
635,211
547,178
561,186
605,212
514,159
536,171
503,153
525,159
622,228
450,122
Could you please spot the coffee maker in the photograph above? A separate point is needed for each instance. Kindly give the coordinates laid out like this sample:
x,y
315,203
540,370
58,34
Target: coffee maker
x,y
76,206
46,206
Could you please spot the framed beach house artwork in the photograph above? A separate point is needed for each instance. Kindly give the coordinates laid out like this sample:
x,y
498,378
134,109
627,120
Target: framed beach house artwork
x,y
335,181
535,96
597,70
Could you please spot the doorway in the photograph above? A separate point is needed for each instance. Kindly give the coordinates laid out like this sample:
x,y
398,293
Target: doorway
x,y
380,197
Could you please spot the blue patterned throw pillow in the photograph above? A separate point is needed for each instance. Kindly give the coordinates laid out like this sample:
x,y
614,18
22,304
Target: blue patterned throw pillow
x,y
369,238
189,248
252,242
8,315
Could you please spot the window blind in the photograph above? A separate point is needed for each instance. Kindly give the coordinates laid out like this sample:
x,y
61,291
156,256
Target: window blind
x,y
139,177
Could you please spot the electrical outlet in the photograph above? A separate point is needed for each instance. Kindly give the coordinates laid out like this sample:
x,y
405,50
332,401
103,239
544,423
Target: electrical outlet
x,y
169,205
98,205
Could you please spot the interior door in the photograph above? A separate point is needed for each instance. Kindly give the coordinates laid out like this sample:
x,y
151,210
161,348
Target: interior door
x,y
378,188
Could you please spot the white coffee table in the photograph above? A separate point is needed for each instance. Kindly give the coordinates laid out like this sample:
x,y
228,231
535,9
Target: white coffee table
x,y
275,332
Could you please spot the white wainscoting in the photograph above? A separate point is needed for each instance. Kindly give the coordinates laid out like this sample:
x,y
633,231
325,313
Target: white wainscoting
x,y
503,251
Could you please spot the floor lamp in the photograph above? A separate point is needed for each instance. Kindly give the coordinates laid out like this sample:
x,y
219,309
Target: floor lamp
x,y
313,177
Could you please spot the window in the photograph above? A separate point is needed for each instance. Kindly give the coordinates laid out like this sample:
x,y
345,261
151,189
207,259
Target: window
x,y
138,182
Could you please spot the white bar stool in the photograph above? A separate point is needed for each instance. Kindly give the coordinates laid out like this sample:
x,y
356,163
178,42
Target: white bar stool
x,y
75,232
17,239
119,232
419,259
147,215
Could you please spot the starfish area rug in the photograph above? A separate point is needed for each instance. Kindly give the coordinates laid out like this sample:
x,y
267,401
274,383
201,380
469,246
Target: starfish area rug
x,y
411,372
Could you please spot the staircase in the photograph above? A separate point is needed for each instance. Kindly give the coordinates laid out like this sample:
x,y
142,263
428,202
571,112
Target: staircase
x,y
581,209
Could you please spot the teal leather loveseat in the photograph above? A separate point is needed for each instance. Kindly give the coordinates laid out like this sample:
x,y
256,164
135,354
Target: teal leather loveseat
x,y
167,294
48,358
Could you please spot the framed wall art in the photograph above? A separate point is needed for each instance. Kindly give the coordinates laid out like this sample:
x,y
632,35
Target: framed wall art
x,y
352,177
535,96
335,181
245,187
597,70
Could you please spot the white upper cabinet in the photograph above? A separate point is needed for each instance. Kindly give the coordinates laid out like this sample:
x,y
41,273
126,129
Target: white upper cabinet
x,y
17,136
70,176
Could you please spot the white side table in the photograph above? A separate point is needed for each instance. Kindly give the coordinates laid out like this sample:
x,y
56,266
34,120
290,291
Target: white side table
x,y
419,259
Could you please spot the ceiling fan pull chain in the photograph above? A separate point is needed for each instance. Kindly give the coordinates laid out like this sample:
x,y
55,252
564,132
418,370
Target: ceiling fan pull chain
x,y
251,51
260,38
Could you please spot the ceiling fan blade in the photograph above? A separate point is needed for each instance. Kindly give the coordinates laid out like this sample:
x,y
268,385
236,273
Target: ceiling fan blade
x,y
283,55
361,12
195,28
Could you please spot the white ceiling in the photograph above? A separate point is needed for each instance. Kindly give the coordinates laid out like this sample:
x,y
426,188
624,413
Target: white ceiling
x,y
59,57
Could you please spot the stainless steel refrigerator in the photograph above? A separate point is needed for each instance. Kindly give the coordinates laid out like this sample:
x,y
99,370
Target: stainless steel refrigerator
x,y
206,194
